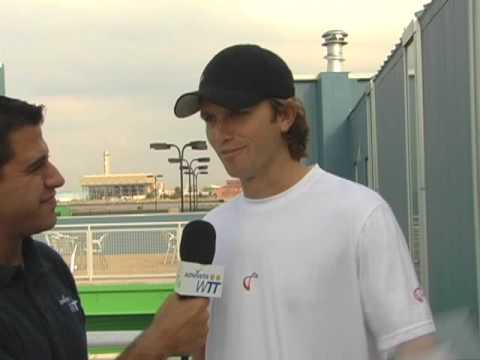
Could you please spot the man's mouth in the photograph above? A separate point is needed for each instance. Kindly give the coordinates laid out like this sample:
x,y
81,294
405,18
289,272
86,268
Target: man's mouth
x,y
49,199
233,151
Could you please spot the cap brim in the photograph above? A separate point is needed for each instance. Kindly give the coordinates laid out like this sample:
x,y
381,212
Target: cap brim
x,y
230,99
187,104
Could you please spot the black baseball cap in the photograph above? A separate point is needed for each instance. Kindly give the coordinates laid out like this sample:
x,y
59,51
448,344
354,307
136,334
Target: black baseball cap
x,y
239,77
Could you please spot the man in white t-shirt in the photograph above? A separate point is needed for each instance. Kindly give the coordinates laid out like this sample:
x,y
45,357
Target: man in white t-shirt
x,y
316,267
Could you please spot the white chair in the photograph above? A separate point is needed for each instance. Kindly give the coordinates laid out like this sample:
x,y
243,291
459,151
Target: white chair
x,y
97,244
172,245
65,245
97,249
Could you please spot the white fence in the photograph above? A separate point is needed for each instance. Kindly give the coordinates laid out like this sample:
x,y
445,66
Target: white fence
x,y
114,251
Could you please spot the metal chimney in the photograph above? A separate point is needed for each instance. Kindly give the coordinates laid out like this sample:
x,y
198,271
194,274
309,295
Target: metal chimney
x,y
335,41
107,163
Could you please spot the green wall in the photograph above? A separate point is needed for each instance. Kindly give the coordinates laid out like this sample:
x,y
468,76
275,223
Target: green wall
x,y
122,307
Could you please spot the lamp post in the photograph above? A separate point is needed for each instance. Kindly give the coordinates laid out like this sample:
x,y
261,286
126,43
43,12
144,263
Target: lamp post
x,y
155,177
196,183
201,170
189,173
200,173
180,162
188,166
195,145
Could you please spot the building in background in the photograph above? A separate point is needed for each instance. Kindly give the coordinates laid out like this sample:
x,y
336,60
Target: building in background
x,y
231,189
412,133
328,99
65,197
110,186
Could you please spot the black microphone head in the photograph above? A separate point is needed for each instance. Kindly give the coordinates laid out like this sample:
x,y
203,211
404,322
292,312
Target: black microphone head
x,y
198,242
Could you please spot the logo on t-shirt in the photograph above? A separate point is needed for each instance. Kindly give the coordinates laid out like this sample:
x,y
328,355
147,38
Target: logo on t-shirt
x,y
71,303
248,281
419,295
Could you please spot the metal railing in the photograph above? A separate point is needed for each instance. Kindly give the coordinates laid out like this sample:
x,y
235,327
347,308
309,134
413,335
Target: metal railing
x,y
120,250
120,339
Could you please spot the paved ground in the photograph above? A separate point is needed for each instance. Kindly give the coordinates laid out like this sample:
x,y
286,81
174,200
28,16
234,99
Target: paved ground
x,y
124,266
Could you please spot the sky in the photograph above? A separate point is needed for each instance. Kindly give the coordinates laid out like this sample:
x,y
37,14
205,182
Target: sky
x,y
109,71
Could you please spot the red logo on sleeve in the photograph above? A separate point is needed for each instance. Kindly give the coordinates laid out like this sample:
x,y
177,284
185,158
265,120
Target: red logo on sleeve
x,y
419,295
248,281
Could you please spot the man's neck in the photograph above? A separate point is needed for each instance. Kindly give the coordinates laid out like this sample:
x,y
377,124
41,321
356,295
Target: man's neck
x,y
10,249
274,181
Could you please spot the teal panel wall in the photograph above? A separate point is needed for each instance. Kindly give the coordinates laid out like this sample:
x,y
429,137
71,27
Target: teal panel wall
x,y
339,94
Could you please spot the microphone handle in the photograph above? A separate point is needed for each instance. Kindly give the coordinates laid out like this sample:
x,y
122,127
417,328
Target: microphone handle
x,y
185,357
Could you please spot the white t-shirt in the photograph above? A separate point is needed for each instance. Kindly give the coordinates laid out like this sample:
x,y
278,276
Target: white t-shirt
x,y
320,271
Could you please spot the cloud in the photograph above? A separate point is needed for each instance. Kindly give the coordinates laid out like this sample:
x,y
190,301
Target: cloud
x,y
123,126
110,71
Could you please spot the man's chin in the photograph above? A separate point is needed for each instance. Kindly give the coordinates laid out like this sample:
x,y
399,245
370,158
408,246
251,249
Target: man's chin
x,y
47,224
235,173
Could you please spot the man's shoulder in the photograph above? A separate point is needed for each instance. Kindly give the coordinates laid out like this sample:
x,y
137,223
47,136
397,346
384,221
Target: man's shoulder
x,y
348,191
347,201
50,257
55,264
46,251
222,211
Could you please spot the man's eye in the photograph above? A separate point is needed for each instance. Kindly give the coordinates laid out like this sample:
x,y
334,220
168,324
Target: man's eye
x,y
37,166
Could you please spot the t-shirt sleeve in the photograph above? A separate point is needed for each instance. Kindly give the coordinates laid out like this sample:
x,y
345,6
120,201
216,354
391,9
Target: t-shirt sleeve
x,y
394,305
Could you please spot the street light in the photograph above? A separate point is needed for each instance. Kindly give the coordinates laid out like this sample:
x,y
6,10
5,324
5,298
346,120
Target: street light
x,y
201,160
190,165
195,145
198,145
198,168
155,177
160,146
195,182
173,160
188,171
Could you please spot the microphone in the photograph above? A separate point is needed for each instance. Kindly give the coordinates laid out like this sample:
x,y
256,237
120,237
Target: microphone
x,y
198,242
196,276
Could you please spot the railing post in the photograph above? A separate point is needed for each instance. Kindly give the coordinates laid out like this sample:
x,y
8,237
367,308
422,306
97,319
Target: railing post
x,y
89,253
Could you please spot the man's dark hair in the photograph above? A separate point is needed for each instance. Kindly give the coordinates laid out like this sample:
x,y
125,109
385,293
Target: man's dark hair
x,y
14,115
